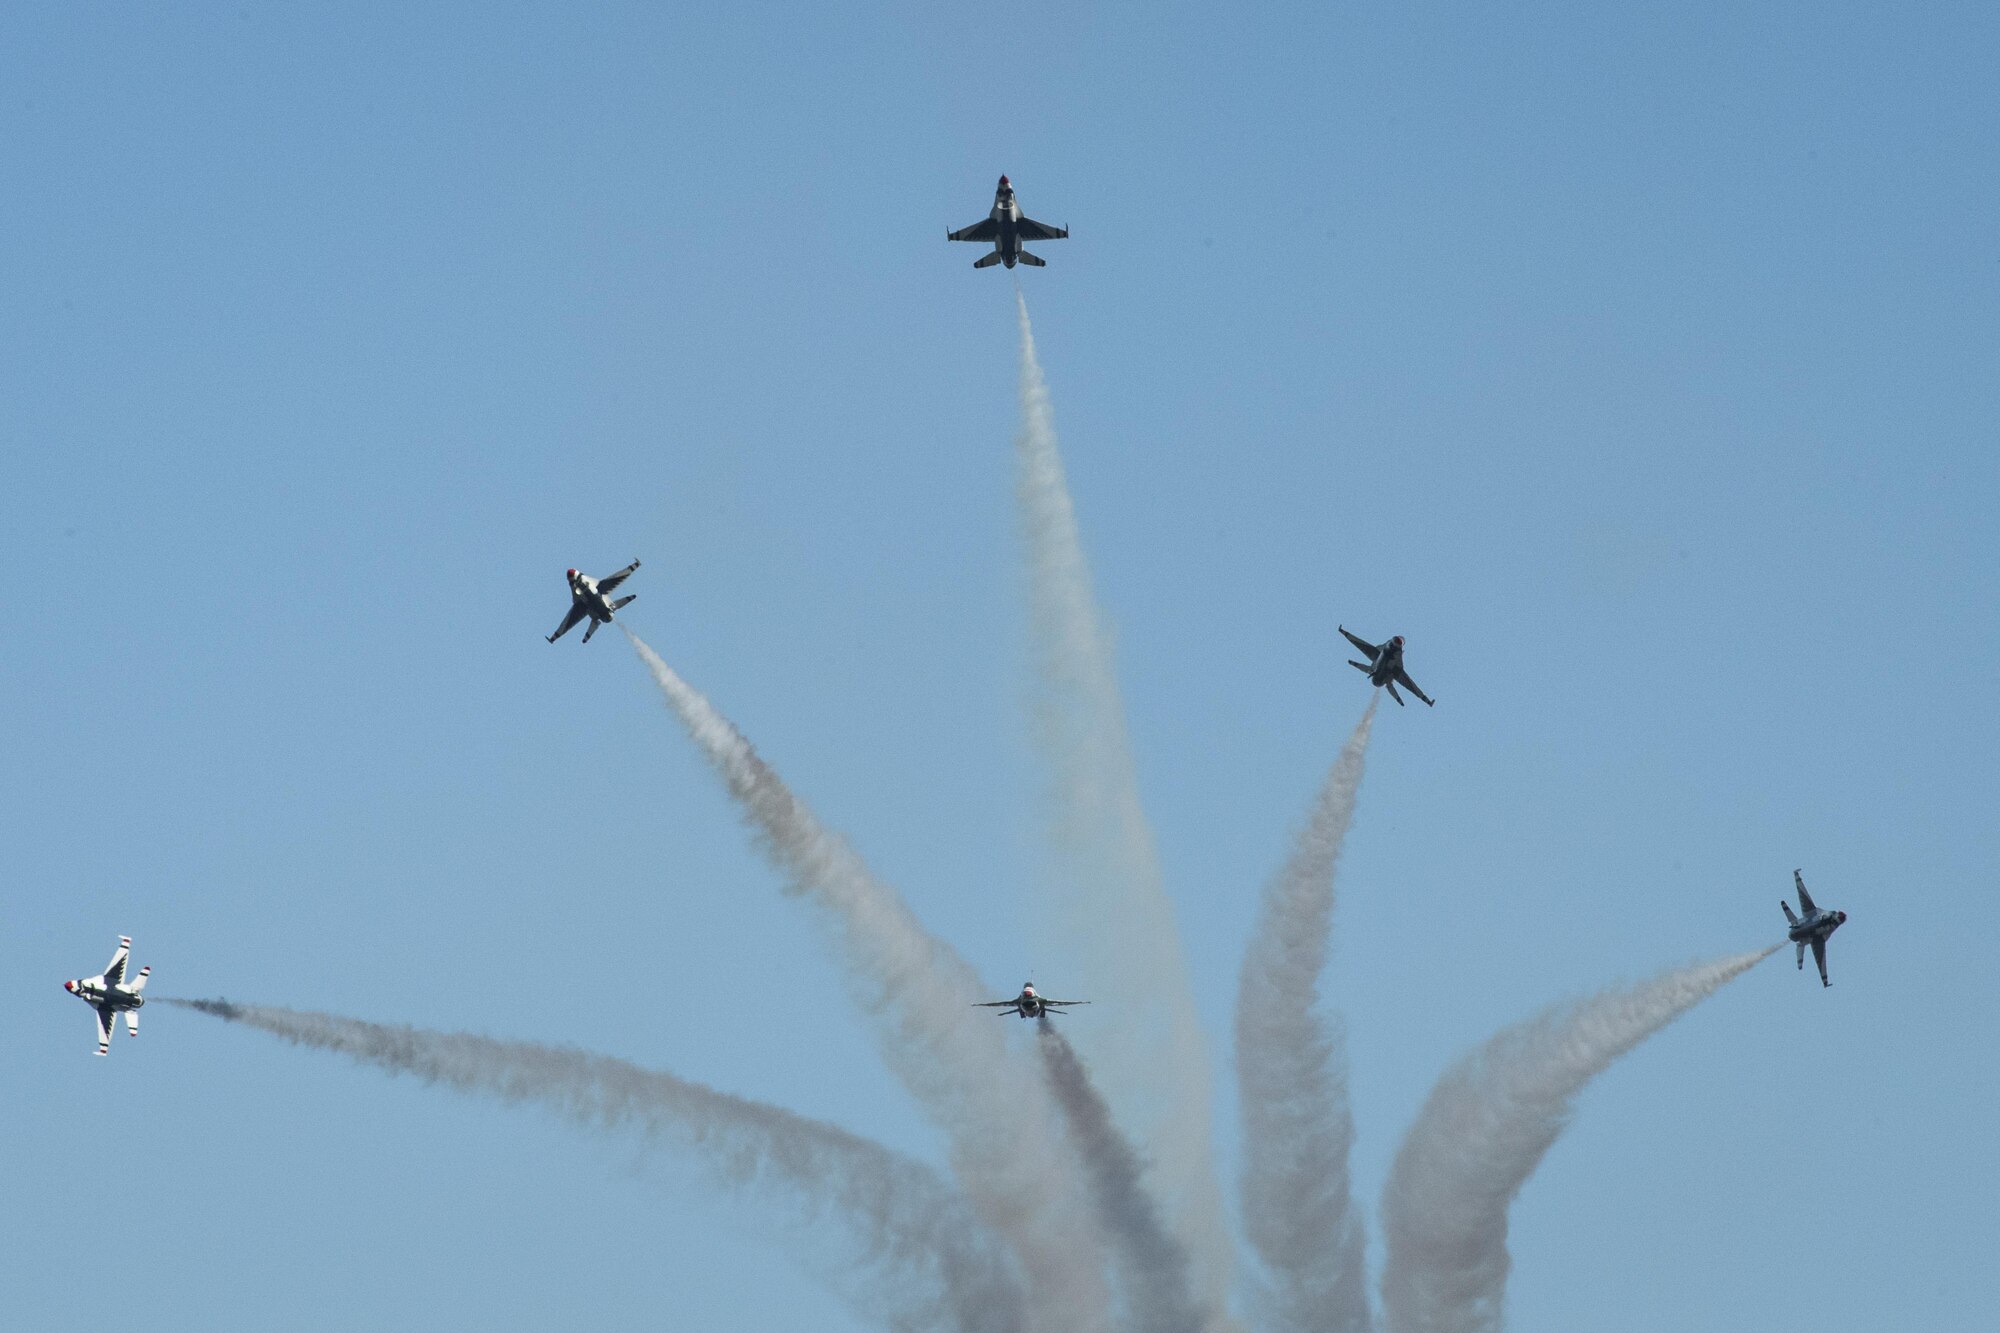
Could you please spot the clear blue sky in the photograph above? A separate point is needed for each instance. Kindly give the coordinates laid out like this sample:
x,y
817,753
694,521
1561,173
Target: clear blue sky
x,y
1638,366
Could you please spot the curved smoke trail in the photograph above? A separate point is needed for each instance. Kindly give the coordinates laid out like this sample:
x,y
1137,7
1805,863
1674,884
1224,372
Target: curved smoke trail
x,y
1483,1131
1152,1265
1112,902
1006,1149
941,1266
1298,1204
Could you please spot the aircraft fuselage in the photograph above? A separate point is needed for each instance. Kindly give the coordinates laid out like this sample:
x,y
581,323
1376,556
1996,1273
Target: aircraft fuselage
x,y
117,997
1006,216
583,591
1388,664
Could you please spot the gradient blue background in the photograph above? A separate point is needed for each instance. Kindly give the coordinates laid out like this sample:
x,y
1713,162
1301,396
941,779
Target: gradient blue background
x,y
1638,365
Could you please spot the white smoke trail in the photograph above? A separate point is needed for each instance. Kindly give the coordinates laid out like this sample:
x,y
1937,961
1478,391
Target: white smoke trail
x,y
1112,904
1152,1265
941,1267
1298,1205
1006,1148
1483,1131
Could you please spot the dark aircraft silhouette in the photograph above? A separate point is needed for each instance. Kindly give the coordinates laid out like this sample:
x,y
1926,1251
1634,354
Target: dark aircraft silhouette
x,y
587,598
1811,927
1006,228
1028,1004
1385,666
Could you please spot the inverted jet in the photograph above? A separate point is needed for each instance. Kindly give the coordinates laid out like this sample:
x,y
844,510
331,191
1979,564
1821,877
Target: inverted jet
x,y
1027,1004
110,996
1384,666
1811,926
587,597
1006,229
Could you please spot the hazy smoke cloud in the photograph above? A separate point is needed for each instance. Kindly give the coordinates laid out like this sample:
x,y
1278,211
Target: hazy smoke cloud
x,y
1482,1133
1152,1266
1111,907
1006,1147
1298,1205
939,1265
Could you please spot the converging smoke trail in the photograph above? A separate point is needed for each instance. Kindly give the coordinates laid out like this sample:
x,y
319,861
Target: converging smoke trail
x,y
1298,1204
1006,1149
1152,1265
1112,904
942,1266
1483,1131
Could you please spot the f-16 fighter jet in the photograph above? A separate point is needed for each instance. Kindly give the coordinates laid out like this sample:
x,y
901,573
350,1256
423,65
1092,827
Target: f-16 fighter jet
x,y
1385,666
1812,927
1006,228
1027,1004
587,598
110,996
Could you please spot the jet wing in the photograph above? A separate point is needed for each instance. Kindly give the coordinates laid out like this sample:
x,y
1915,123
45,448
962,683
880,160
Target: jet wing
x,y
988,230
610,581
106,1021
997,1004
1065,1002
1403,678
1806,907
1031,230
1372,650
114,971
569,621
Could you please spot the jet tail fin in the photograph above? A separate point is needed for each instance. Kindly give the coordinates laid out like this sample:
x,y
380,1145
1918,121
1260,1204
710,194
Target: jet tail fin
x,y
1790,916
1033,261
987,261
139,984
623,600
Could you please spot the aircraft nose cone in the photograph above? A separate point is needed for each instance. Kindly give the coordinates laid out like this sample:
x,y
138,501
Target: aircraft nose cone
x,y
70,986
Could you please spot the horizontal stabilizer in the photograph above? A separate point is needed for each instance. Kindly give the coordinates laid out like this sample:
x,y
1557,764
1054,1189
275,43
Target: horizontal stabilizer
x,y
1789,914
1033,261
624,600
987,261
1362,667
140,984
132,1021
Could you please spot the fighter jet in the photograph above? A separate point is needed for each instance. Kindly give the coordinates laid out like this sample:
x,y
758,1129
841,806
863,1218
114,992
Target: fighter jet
x,y
1006,228
1811,927
110,996
587,598
1027,1004
1385,666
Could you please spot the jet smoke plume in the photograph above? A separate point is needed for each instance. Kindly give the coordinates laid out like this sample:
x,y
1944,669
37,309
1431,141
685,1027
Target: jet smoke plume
x,y
1483,1131
1298,1204
1006,1149
1152,1265
1111,904
941,1267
